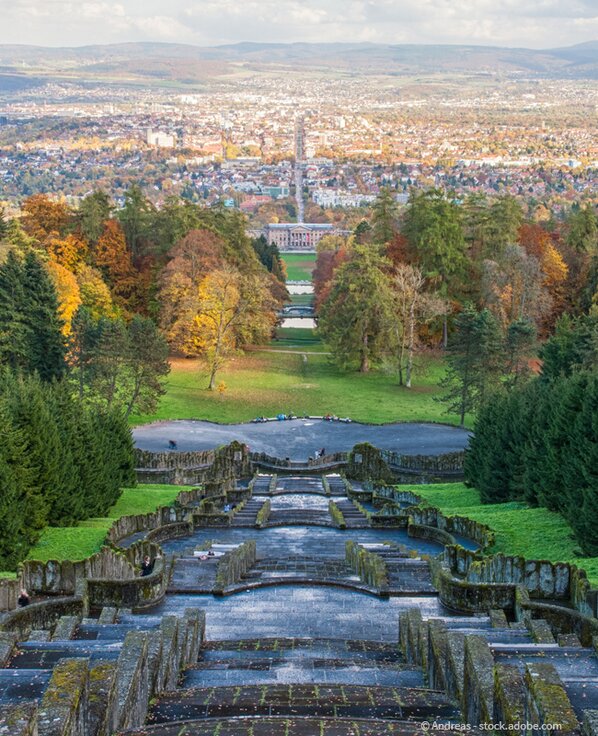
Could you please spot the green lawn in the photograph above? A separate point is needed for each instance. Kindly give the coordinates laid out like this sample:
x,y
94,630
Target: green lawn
x,y
535,533
79,542
266,383
299,265
302,300
297,337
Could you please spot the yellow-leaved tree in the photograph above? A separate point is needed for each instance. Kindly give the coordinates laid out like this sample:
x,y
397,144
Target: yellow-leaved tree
x,y
231,310
68,292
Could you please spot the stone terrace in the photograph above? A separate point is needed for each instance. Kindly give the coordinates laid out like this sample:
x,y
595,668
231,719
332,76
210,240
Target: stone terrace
x,y
284,631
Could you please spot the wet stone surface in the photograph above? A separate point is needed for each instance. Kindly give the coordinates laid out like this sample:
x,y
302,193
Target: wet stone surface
x,y
299,439
300,540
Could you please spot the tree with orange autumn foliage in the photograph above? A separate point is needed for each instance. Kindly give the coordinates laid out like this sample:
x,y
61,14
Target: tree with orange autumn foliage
x,y
113,258
43,216
539,244
69,252
67,291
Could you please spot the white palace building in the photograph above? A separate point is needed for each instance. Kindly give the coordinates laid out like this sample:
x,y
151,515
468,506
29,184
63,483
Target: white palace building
x,y
298,236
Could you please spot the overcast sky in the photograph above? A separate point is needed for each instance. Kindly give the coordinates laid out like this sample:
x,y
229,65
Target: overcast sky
x,y
530,23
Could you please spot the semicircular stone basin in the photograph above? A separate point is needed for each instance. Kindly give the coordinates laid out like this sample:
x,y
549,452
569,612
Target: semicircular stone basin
x,y
299,439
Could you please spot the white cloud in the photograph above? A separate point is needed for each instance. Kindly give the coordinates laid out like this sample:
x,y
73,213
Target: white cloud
x,y
535,23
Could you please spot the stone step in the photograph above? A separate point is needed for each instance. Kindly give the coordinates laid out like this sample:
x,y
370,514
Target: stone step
x,y
348,701
17,685
277,726
295,647
44,655
110,632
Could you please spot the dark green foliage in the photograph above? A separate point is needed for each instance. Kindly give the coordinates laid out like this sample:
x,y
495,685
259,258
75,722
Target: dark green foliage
x,y
357,317
582,225
47,347
269,256
519,343
384,217
15,331
30,329
115,364
59,462
474,359
93,212
573,346
539,443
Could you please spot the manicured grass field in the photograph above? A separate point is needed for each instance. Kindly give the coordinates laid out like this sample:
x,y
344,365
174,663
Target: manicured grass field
x,y
79,542
299,265
535,533
302,300
267,383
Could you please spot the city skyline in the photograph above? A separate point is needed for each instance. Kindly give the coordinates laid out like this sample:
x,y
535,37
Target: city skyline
x,y
532,24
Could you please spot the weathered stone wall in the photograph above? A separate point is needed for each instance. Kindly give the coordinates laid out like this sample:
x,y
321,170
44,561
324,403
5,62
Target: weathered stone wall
x,y
463,666
461,595
173,459
18,719
170,531
41,615
421,531
366,463
136,592
541,578
370,567
442,465
420,512
66,578
9,592
63,708
221,466
233,565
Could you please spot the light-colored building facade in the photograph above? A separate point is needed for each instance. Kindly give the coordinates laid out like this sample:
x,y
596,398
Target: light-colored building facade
x,y
300,236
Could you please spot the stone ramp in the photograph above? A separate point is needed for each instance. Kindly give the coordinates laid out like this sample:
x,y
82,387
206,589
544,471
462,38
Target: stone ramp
x,y
191,574
319,701
299,517
299,484
299,570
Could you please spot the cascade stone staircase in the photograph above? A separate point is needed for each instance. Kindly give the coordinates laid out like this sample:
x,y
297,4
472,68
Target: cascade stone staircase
x,y
324,663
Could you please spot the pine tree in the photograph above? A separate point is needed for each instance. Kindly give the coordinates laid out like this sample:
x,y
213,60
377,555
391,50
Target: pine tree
x,y
46,348
486,465
474,354
17,484
15,329
384,217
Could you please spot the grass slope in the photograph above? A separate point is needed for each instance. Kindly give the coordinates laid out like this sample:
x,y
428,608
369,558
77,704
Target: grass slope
x,y
299,265
267,383
535,533
79,542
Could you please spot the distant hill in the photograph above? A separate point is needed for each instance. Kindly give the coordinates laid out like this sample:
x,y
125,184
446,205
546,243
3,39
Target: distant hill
x,y
185,63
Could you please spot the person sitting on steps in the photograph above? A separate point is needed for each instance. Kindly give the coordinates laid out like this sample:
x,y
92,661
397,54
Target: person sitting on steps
x,y
23,599
146,566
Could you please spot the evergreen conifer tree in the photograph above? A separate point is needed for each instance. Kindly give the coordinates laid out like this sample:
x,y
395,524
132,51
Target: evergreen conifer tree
x,y
46,350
